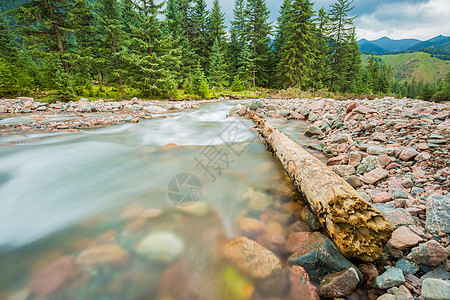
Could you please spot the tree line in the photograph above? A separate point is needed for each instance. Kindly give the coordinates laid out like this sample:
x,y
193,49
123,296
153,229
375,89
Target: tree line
x,y
179,48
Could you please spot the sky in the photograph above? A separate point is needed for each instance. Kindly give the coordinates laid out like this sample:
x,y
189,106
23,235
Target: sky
x,y
397,19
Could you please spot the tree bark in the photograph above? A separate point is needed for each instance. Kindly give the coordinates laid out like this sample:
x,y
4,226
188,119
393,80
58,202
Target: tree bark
x,y
355,226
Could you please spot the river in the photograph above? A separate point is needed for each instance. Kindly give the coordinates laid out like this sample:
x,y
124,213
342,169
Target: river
x,y
185,181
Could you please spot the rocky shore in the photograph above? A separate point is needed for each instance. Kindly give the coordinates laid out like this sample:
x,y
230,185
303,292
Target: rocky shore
x,y
395,153
83,114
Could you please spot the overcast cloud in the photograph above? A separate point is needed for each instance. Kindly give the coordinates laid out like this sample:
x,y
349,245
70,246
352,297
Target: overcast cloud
x,y
397,19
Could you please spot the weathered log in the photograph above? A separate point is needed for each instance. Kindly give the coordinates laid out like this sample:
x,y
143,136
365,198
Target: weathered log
x,y
356,227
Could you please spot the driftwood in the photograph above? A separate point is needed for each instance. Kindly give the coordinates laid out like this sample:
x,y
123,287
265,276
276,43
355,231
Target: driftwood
x,y
356,227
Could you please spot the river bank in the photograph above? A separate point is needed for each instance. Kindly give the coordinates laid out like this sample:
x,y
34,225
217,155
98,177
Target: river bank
x,y
83,114
395,152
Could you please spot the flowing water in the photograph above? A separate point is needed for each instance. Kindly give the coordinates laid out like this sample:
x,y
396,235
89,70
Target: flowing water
x,y
184,181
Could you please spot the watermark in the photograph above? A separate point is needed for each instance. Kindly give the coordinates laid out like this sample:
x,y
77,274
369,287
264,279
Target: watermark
x,y
184,189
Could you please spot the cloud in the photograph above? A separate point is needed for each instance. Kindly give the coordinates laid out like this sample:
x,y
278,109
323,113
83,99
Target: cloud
x,y
421,19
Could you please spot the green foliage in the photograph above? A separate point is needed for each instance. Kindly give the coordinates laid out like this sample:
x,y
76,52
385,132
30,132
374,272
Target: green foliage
x,y
216,66
237,85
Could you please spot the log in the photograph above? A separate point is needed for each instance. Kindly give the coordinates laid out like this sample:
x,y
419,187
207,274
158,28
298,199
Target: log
x,y
356,227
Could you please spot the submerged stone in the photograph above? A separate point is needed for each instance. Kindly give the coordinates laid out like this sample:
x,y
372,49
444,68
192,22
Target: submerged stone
x,y
162,247
339,284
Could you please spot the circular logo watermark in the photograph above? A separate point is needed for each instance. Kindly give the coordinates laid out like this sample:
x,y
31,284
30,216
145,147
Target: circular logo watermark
x,y
184,189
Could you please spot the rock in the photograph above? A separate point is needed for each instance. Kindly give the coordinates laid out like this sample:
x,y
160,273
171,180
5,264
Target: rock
x,y
255,105
403,238
353,180
430,253
295,240
407,266
2,109
382,197
319,253
435,289
439,273
53,277
110,254
250,227
340,138
339,284
398,194
444,129
313,130
354,158
391,277
374,176
384,208
379,150
423,156
408,154
350,107
407,183
379,136
343,170
369,272
438,214
162,247
234,112
338,160
135,107
257,201
153,109
384,160
301,286
251,258
387,297
403,293
198,209
361,109
399,217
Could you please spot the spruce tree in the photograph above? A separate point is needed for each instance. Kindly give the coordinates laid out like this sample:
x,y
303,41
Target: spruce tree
x,y
320,74
296,66
199,40
340,32
237,38
258,31
109,14
282,30
216,26
216,66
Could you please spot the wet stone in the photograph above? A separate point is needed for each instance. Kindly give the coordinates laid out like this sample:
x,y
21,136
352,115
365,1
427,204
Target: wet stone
x,y
319,253
313,131
162,247
407,266
301,286
391,277
339,284
430,253
439,273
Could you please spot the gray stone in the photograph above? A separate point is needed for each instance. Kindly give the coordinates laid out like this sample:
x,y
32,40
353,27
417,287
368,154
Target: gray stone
x,y
354,181
161,247
384,208
400,217
435,289
320,254
339,284
407,266
398,194
430,254
343,170
439,273
391,277
438,214
255,105
153,109
387,297
135,107
379,150
313,130
2,109
234,112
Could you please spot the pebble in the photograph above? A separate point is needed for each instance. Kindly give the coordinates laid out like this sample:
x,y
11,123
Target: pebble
x,y
374,176
430,253
339,284
403,238
301,286
407,266
162,247
109,254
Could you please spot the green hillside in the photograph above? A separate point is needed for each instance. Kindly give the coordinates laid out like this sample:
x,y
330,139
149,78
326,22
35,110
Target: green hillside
x,y
420,65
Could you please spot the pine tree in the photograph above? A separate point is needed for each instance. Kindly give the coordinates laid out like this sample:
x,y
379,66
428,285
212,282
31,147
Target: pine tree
x,y
216,66
47,26
216,26
109,14
296,65
199,39
320,74
258,31
341,29
237,38
282,30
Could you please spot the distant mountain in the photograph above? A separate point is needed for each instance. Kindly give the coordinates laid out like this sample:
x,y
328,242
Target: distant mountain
x,y
369,48
440,42
395,45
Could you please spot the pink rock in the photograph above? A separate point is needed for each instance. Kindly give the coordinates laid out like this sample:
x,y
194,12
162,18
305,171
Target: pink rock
x,y
342,148
338,160
374,176
403,238
382,197
351,106
408,153
384,160
301,286
364,110
354,158
53,277
295,240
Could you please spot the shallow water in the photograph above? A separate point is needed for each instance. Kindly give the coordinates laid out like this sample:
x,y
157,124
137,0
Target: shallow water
x,y
62,194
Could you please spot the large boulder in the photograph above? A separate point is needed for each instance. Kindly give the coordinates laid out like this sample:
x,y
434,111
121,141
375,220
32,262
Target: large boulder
x,y
438,214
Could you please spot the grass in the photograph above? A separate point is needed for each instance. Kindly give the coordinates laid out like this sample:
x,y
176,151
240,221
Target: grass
x,y
418,65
